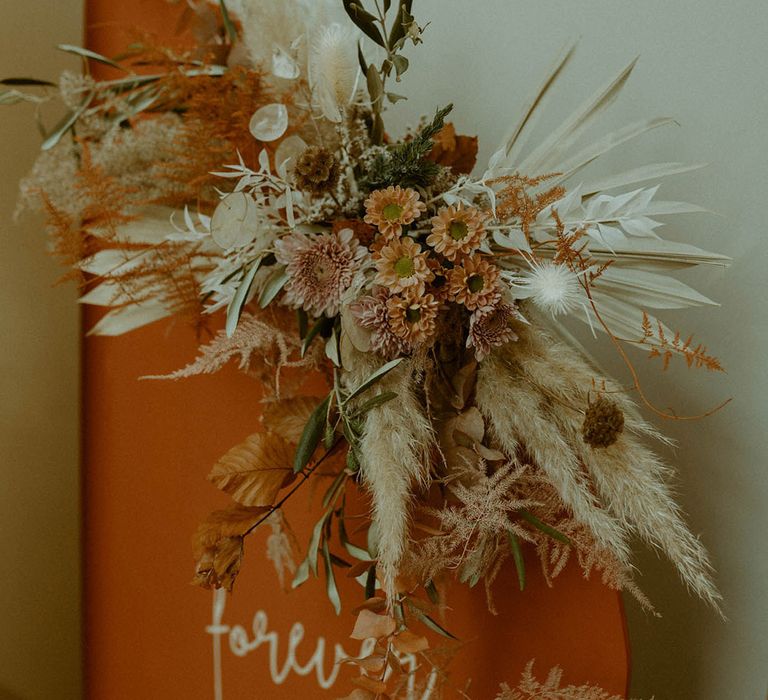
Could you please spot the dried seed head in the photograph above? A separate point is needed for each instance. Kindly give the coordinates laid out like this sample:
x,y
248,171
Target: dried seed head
x,y
603,423
317,170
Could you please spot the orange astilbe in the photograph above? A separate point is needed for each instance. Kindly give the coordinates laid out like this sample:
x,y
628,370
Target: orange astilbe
x,y
217,113
103,202
517,201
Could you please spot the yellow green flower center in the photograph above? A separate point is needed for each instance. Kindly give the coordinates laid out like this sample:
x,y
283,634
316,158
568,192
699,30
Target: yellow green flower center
x,y
412,315
458,230
475,283
404,266
392,212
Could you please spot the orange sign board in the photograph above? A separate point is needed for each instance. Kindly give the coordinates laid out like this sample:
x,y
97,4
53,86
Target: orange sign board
x,y
147,448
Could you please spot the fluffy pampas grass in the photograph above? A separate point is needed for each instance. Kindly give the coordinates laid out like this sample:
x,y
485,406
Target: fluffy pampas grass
x,y
535,392
395,457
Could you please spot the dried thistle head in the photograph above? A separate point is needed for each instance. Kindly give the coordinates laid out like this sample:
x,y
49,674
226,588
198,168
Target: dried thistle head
x,y
603,423
317,170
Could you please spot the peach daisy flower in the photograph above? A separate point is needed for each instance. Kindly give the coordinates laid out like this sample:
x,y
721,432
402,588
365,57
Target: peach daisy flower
x,y
402,265
457,231
412,316
473,283
391,209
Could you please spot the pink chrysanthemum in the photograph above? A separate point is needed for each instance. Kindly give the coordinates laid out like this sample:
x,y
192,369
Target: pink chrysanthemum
x,y
320,268
371,313
490,328
391,209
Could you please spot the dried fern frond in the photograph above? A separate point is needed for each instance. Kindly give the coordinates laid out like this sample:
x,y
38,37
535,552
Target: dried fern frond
x,y
529,688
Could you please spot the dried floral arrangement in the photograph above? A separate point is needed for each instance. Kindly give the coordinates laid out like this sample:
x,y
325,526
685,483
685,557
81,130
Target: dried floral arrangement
x,y
248,181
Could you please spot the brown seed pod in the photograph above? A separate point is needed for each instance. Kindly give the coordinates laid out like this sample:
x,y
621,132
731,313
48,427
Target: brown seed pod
x,y
603,423
317,170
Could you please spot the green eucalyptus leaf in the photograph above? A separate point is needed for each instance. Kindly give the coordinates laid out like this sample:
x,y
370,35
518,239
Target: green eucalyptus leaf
x,y
322,325
88,54
65,124
228,24
314,542
353,464
394,98
27,82
370,583
302,574
235,308
365,21
330,580
332,349
311,436
273,287
429,622
517,555
375,377
377,400
333,488
432,593
361,59
546,529
303,321
353,549
375,86
401,64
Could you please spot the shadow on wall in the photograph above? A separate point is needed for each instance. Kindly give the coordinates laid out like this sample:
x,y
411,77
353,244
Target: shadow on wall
x,y
6,694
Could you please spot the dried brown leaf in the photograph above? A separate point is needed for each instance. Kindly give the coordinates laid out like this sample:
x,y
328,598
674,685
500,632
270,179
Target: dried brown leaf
x,y
369,625
459,153
287,417
254,471
409,643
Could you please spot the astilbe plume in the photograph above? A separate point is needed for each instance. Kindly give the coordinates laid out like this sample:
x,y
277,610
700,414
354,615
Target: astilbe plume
x,y
529,688
262,343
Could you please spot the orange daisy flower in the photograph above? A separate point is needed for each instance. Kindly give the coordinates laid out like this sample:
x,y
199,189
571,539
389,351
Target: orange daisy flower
x,y
457,231
473,283
402,265
391,209
412,316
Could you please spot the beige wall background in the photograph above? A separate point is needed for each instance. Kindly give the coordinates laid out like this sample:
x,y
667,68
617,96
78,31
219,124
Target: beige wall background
x,y
703,62
39,358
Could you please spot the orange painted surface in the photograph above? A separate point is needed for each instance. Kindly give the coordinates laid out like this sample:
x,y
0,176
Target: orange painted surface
x,y
147,448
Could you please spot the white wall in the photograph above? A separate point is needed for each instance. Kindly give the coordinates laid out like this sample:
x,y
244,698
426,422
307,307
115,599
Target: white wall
x,y
703,62
39,359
